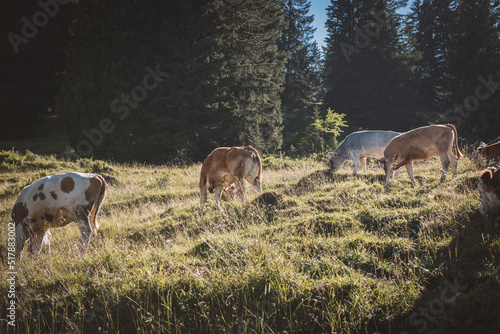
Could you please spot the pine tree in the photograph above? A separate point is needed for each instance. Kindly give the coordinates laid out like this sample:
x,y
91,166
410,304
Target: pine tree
x,y
219,82
428,28
363,73
302,82
469,89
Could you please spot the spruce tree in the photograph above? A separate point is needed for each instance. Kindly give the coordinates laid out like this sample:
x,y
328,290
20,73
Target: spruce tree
x,y
428,28
469,92
220,75
302,83
363,73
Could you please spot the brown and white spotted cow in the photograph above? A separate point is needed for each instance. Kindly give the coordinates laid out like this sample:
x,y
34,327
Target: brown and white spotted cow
x,y
227,167
55,201
489,190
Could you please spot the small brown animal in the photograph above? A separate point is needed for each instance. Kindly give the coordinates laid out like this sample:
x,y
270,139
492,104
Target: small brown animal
x,y
227,166
489,191
55,201
421,144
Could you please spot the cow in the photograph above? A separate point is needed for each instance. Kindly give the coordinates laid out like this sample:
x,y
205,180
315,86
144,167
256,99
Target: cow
x,y
420,144
360,145
489,191
227,166
55,201
489,153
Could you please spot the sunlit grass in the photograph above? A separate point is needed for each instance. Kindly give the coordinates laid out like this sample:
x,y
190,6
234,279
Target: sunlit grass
x,y
318,252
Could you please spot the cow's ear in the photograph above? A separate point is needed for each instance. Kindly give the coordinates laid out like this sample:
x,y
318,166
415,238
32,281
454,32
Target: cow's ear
x,y
486,176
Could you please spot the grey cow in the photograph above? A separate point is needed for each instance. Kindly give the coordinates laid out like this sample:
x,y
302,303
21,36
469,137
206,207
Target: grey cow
x,y
360,145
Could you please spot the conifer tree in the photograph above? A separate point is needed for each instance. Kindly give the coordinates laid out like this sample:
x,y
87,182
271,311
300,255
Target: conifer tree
x,y
219,75
302,83
363,73
469,92
428,28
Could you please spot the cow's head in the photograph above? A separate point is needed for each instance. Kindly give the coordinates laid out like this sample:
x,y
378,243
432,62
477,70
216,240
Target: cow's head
x,y
480,155
336,160
489,191
257,183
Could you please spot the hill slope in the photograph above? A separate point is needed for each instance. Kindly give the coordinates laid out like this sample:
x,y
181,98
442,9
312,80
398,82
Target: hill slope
x,y
315,253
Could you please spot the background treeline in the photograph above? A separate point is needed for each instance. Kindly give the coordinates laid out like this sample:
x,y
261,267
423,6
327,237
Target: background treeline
x,y
164,80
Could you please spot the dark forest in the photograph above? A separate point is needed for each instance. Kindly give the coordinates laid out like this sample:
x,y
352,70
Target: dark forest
x,y
171,80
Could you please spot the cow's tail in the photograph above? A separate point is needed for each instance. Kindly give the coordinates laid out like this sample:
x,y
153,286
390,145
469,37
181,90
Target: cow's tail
x,y
100,198
256,158
459,154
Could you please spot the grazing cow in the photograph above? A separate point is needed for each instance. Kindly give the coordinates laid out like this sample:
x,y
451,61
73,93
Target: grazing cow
x,y
227,166
360,145
489,191
421,144
55,201
489,153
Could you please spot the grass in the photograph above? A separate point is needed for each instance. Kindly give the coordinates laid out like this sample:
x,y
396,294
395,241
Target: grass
x,y
316,252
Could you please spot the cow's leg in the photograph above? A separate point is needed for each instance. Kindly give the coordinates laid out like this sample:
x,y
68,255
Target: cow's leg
x,y
409,169
46,239
82,218
20,239
355,162
240,188
203,198
38,239
454,164
388,172
445,163
362,161
218,193
395,174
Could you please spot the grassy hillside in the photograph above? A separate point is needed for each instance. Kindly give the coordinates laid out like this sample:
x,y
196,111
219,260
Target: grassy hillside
x,y
315,253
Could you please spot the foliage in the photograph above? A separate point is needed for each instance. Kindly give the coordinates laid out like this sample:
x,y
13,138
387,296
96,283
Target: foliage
x,y
331,124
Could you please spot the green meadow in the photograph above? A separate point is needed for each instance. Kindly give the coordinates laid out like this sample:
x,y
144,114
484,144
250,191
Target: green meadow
x,y
317,252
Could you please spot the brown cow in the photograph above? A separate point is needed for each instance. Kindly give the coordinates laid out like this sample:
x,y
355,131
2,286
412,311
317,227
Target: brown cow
x,y
226,166
421,144
489,191
489,153
55,201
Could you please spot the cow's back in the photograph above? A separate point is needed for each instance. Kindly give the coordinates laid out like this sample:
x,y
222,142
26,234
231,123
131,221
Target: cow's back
x,y
368,140
420,137
47,196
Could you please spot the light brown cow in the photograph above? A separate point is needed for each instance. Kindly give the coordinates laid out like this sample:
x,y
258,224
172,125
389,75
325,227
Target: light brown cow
x,y
489,190
421,144
226,166
489,153
55,201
